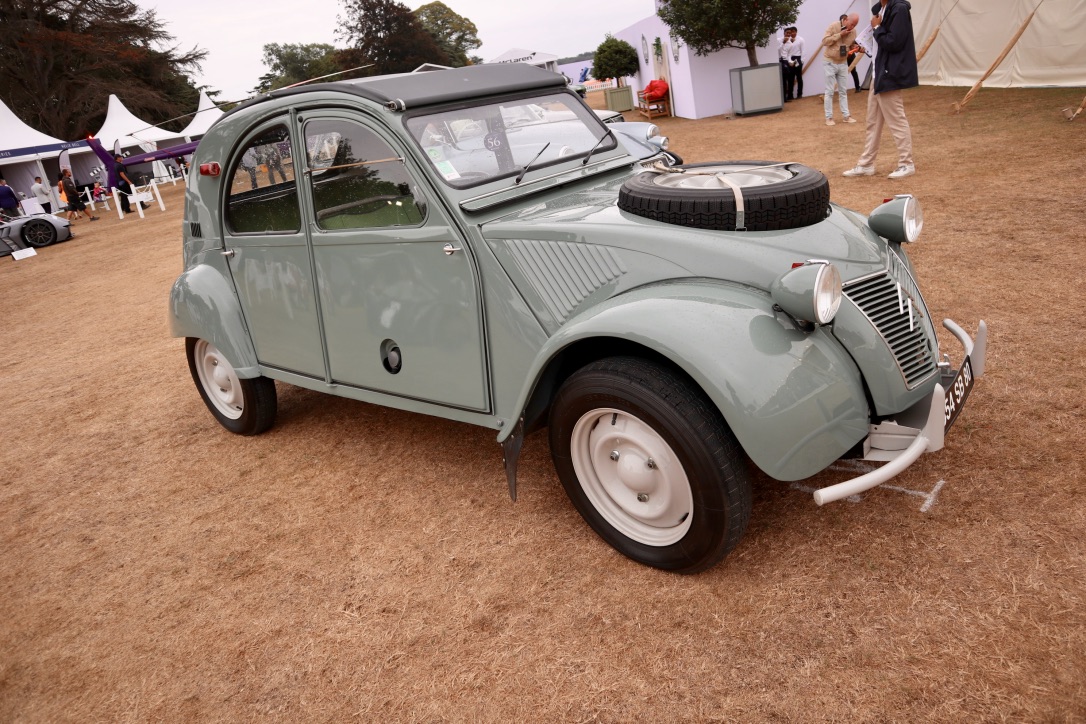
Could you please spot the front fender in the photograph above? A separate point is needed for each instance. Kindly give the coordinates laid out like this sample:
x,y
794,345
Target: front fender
x,y
794,399
203,305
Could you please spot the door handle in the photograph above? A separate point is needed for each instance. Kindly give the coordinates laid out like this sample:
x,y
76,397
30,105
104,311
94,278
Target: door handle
x,y
449,249
229,253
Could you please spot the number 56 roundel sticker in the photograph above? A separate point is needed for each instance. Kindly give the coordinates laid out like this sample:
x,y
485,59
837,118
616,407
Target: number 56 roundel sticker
x,y
492,142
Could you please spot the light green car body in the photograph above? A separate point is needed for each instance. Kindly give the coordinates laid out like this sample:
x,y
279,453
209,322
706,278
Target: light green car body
x,y
544,278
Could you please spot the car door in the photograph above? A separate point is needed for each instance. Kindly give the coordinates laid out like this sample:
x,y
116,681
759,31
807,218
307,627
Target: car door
x,y
269,254
398,290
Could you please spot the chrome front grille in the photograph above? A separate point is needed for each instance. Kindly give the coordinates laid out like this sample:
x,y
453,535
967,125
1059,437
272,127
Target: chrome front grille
x,y
892,303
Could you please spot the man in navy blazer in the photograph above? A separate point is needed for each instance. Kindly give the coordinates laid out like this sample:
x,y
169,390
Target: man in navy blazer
x,y
895,70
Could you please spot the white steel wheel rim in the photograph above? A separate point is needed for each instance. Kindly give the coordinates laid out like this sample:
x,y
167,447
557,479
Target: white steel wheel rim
x,y
219,380
708,177
632,477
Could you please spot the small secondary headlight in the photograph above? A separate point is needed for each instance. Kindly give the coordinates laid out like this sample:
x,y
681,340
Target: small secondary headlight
x,y
811,292
900,219
651,131
660,142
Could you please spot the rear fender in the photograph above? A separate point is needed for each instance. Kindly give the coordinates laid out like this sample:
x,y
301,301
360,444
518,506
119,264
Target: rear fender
x,y
794,399
203,305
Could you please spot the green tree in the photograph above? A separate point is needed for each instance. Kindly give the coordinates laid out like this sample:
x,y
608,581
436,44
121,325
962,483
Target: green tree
x,y
62,58
294,62
707,26
386,34
615,59
455,34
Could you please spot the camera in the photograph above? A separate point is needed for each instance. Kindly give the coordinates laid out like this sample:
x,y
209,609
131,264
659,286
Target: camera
x,y
844,51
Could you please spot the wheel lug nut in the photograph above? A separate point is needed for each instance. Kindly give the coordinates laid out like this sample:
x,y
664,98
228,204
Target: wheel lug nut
x,y
651,463
642,497
614,455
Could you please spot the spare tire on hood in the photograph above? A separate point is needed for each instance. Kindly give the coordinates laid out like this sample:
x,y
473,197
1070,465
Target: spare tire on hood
x,y
774,195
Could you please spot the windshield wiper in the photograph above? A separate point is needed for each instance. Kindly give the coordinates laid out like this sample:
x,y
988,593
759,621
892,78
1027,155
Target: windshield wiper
x,y
593,149
525,167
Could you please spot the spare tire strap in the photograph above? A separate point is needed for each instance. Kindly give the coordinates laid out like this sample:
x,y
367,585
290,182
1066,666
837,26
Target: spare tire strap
x,y
740,220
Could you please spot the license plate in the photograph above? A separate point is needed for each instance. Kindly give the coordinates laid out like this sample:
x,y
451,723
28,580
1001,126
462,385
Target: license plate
x,y
957,393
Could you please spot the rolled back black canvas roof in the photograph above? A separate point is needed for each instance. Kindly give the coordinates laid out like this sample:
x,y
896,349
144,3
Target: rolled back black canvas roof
x,y
414,90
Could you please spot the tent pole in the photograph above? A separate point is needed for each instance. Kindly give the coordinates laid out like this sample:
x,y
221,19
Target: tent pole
x,y
973,91
931,39
1072,116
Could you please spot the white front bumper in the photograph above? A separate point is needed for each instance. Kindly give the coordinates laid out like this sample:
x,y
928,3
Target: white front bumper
x,y
917,430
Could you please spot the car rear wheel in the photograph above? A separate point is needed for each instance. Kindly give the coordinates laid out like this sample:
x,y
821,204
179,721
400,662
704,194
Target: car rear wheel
x,y
39,233
245,407
650,464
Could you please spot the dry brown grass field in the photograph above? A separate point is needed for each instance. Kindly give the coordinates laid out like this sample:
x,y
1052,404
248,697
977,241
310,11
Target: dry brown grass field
x,y
360,563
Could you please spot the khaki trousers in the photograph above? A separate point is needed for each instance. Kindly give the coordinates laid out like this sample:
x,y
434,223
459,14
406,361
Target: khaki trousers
x,y
887,109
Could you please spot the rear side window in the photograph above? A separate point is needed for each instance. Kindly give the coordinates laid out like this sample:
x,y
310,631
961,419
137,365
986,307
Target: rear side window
x,y
263,195
359,181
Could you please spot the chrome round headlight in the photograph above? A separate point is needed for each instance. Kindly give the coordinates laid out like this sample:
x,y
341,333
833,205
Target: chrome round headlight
x,y
810,292
651,131
827,293
914,219
898,219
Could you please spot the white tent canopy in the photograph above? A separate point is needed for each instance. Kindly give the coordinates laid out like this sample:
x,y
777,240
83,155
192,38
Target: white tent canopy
x,y
1051,51
19,170
123,127
206,114
14,134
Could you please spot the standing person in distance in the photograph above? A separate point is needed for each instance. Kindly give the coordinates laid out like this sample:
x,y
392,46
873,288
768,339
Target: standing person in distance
x,y
795,61
895,70
124,184
835,44
9,202
784,53
75,202
41,194
854,51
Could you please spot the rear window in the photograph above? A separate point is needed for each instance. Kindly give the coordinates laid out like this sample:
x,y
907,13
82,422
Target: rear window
x,y
263,193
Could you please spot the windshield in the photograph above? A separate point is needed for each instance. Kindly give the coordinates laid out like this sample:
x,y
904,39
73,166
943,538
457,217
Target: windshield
x,y
474,145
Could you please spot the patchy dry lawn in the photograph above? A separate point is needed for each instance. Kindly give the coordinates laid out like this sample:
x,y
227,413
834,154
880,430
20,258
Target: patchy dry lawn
x,y
364,563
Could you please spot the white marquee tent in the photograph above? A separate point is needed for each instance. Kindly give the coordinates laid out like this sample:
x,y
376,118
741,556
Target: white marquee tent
x,y
206,114
25,152
122,127
1051,51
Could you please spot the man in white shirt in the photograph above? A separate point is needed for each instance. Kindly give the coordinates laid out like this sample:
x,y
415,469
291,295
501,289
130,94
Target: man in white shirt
x,y
42,195
795,62
784,53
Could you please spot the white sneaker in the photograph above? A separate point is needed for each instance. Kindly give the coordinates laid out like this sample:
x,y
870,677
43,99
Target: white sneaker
x,y
850,119
860,171
829,122
903,171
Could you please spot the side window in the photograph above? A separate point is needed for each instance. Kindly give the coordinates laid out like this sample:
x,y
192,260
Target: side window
x,y
359,182
263,195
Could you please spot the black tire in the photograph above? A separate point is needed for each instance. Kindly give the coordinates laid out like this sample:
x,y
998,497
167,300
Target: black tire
x,y
245,407
801,199
38,233
700,523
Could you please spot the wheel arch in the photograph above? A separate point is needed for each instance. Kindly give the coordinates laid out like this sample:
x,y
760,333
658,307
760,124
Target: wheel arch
x,y
203,305
793,399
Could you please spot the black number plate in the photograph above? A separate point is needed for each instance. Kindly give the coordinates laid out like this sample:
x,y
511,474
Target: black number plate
x,y
957,393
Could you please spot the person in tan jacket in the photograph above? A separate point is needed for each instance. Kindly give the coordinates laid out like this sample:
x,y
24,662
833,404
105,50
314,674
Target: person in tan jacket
x,y
839,36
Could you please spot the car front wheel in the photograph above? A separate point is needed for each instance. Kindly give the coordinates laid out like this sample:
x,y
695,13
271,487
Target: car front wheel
x,y
650,464
245,407
39,233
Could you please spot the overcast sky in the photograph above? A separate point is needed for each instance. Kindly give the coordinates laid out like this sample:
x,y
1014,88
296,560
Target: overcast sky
x,y
233,32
